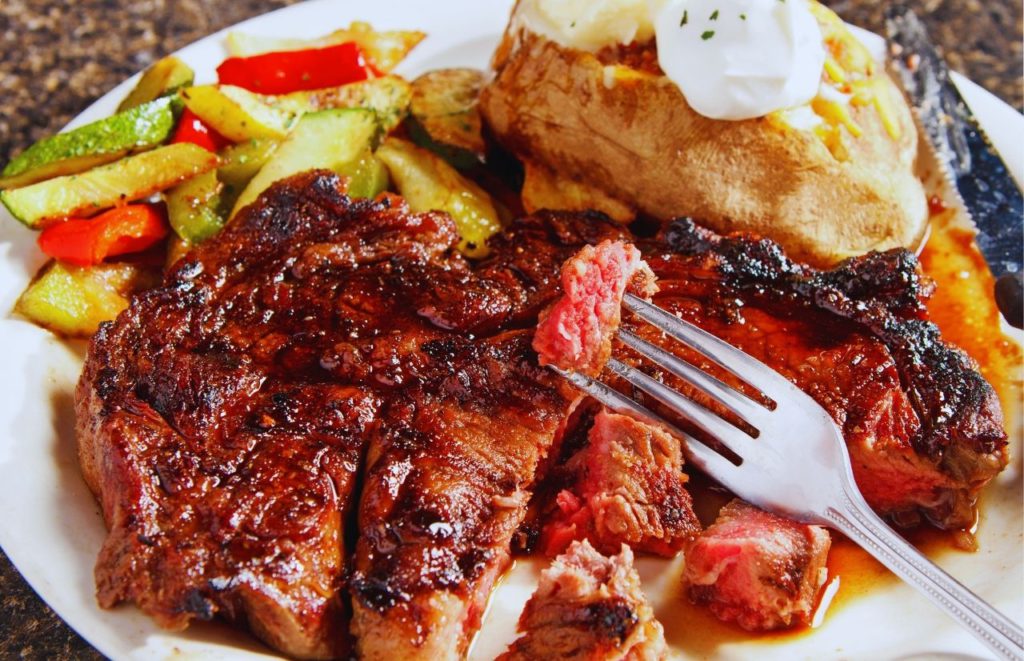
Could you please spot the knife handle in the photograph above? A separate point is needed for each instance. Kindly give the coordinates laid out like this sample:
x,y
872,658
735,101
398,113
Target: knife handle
x,y
1010,298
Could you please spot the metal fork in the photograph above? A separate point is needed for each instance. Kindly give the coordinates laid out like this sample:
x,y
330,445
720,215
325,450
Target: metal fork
x,y
799,467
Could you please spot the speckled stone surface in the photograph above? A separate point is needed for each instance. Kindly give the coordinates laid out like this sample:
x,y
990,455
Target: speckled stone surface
x,y
58,57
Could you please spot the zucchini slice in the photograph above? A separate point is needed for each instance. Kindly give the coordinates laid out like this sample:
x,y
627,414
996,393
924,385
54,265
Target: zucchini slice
x,y
131,178
331,139
429,183
369,177
237,114
72,301
193,207
388,96
94,144
445,116
166,76
241,162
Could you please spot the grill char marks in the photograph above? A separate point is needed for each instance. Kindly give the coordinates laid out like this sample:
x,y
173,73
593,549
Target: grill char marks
x,y
225,417
446,488
924,428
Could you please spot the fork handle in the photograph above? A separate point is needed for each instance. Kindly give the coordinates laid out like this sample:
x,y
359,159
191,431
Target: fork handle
x,y
858,522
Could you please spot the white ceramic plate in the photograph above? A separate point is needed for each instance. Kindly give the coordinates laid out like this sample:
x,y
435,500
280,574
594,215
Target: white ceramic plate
x,y
51,528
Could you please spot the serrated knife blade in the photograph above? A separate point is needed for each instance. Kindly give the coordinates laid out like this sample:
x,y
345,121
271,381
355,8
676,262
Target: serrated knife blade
x,y
973,168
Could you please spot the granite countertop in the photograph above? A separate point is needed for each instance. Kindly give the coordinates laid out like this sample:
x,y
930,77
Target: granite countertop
x,y
59,57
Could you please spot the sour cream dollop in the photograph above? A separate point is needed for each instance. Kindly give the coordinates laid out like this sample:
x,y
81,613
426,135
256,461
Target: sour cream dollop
x,y
732,59
739,59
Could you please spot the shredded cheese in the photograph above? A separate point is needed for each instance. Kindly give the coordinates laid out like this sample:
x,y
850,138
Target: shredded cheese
x,y
851,79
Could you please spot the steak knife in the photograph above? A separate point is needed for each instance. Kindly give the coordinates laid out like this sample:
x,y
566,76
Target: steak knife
x,y
974,170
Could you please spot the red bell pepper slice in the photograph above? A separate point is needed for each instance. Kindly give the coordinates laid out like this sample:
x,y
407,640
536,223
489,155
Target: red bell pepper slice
x,y
88,241
194,130
282,72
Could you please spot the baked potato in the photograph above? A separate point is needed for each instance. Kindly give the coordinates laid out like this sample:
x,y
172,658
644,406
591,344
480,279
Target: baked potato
x,y
841,185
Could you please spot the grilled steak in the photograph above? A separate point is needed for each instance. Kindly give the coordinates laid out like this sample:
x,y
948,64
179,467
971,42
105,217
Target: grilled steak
x,y
576,332
756,569
588,607
924,429
228,417
626,486
224,417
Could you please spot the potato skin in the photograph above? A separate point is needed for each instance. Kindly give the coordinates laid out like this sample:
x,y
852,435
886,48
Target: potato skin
x,y
633,135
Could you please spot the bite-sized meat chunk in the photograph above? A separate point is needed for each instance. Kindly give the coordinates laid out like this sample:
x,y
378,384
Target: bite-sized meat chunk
x,y
576,332
757,569
588,607
924,428
626,487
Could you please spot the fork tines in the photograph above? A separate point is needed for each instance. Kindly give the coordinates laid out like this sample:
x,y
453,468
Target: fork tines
x,y
737,363
703,456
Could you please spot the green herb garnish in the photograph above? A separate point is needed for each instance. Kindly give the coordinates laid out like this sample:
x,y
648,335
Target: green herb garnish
x,y
714,15
686,18
707,35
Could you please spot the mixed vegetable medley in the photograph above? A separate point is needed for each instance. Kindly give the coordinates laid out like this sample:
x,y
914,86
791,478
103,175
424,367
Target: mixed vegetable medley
x,y
118,200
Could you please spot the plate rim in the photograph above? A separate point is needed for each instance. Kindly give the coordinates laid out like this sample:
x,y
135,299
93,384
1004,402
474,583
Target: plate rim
x,y
994,115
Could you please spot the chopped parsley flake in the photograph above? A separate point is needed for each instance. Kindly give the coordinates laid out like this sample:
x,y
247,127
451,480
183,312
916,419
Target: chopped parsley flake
x,y
714,15
743,17
707,35
686,18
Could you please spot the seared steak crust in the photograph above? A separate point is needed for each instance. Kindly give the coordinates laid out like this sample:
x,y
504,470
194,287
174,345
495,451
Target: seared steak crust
x,y
924,428
223,453
224,418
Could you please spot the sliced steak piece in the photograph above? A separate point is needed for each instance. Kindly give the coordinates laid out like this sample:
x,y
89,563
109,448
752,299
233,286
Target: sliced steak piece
x,y
626,487
223,418
576,332
446,487
588,607
924,428
756,569
450,474
223,455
